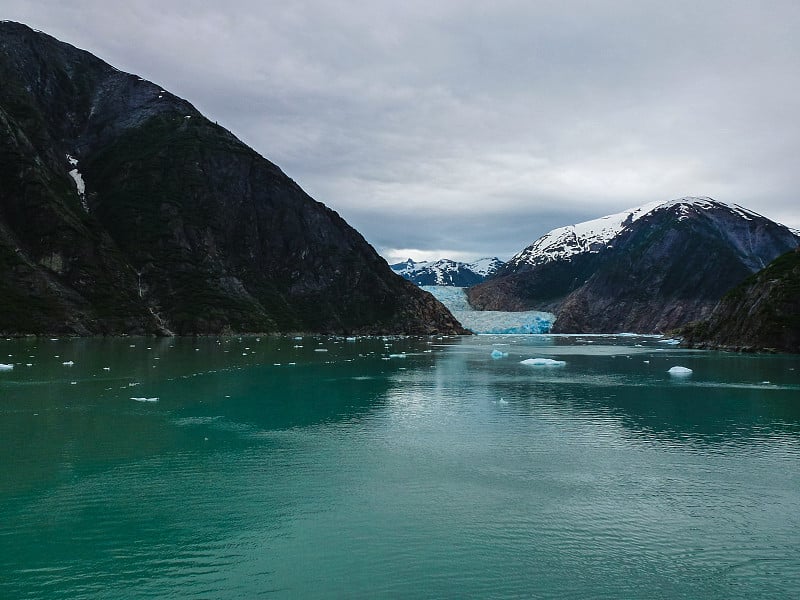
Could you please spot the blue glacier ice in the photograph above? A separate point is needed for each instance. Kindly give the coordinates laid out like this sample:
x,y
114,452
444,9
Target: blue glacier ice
x,y
490,321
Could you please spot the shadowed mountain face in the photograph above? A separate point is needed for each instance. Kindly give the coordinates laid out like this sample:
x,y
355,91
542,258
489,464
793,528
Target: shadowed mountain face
x,y
645,271
761,313
124,210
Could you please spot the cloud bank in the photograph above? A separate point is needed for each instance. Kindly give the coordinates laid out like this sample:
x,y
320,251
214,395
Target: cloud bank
x,y
464,129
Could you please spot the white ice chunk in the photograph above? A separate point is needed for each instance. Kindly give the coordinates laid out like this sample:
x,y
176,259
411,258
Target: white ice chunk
x,y
142,399
68,363
5,367
498,354
543,362
678,371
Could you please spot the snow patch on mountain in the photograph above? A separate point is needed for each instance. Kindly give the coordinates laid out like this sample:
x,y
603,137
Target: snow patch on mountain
x,y
78,179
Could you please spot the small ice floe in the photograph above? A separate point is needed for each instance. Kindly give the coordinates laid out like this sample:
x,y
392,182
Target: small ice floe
x,y
143,399
670,341
543,362
678,371
350,339
5,367
68,363
106,368
498,354
320,349
401,355
73,383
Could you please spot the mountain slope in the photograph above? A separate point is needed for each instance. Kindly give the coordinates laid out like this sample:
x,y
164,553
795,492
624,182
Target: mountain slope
x,y
124,210
648,269
448,272
763,312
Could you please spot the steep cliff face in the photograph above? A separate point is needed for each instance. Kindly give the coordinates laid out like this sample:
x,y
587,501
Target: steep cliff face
x,y
124,210
762,313
649,269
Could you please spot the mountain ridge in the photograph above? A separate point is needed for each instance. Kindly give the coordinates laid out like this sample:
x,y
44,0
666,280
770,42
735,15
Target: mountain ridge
x,y
448,272
760,314
124,210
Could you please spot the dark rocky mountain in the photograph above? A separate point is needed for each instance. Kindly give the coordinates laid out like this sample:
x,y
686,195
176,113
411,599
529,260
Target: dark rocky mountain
x,y
761,313
124,210
448,272
649,269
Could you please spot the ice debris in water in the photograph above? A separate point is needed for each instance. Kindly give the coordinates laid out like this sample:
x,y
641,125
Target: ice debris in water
x,y
142,399
401,355
498,354
670,341
543,362
68,363
679,371
5,367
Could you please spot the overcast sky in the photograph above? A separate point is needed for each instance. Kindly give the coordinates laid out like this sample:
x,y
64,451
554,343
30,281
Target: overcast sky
x,y
463,129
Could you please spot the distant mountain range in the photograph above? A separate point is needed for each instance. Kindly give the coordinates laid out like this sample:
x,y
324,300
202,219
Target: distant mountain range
x,y
125,210
648,269
448,272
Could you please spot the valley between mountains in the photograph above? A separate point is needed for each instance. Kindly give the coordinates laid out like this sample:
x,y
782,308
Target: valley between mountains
x,y
123,210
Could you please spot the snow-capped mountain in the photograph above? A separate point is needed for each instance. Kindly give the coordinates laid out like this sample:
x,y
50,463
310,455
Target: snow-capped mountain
x,y
646,269
595,236
448,272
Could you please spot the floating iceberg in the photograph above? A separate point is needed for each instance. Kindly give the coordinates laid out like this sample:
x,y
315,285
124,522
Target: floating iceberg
x,y
678,371
145,399
490,321
543,362
68,363
5,367
498,354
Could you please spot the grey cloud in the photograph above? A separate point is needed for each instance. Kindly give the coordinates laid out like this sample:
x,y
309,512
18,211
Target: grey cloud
x,y
471,127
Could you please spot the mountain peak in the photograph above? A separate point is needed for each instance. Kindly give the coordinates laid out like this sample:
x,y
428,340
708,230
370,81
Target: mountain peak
x,y
125,210
595,235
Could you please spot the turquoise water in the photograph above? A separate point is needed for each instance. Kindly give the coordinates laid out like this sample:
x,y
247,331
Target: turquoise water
x,y
404,468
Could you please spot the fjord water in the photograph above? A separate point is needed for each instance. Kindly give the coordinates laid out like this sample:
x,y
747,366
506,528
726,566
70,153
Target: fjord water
x,y
409,468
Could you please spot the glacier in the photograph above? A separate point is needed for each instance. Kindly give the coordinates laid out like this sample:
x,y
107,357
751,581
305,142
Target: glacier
x,y
490,321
